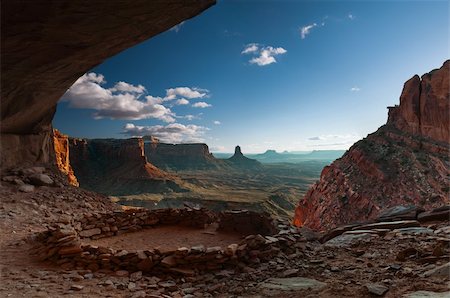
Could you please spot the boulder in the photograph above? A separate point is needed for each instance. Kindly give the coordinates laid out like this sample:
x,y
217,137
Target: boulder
x,y
41,180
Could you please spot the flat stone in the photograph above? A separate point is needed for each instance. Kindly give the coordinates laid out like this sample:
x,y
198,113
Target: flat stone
x,y
427,294
145,265
90,233
26,188
390,225
403,212
135,276
441,271
443,215
290,272
41,180
349,239
415,231
76,287
122,273
292,284
70,250
377,289
169,261
183,271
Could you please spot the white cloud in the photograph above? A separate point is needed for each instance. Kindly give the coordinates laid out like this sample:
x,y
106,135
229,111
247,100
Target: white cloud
x,y
250,48
177,28
125,87
126,101
187,92
120,102
201,104
265,55
305,30
182,101
332,141
355,89
171,133
217,122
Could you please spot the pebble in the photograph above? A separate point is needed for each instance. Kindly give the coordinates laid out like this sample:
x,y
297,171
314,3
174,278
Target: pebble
x,y
377,289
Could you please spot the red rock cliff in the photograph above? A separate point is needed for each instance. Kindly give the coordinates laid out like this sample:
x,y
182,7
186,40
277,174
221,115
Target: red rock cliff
x,y
61,145
404,162
424,106
117,167
181,156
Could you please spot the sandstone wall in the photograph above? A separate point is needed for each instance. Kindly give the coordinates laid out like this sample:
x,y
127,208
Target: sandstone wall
x,y
117,167
181,156
61,147
425,105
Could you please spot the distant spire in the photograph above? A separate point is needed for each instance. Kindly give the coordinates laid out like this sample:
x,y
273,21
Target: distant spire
x,y
237,151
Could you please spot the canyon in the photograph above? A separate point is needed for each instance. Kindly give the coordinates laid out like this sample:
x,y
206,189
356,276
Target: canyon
x,y
375,224
405,162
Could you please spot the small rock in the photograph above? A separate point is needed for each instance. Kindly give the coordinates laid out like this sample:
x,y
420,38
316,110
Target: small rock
x,y
26,188
135,276
122,273
41,180
443,271
290,272
76,287
377,289
427,294
131,286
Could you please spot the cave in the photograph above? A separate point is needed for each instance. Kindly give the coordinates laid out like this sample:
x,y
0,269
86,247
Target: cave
x,y
40,61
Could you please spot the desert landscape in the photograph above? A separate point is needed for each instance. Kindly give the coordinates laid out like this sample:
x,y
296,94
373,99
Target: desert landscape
x,y
109,191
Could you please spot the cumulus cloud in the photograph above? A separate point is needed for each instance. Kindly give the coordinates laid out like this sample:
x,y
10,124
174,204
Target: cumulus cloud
x,y
355,89
182,101
333,141
177,28
187,92
201,104
305,30
264,55
129,88
119,102
127,101
171,133
250,48
217,122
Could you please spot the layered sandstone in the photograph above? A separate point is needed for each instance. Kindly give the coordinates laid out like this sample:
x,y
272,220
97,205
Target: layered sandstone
x,y
405,162
117,167
181,156
61,146
424,106
46,46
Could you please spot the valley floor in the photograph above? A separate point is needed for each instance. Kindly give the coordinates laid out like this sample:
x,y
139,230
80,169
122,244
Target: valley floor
x,y
344,268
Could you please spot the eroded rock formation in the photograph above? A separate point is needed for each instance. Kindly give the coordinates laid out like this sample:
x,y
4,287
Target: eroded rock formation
x,y
61,146
424,106
238,160
117,167
47,45
405,162
181,156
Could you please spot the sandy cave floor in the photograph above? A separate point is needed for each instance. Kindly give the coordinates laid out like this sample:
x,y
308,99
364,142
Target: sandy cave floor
x,y
167,238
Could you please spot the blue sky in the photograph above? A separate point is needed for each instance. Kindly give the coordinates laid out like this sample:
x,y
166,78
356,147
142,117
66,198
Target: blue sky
x,y
284,75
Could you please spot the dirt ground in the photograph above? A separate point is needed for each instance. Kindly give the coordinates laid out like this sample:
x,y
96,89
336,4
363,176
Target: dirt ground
x,y
167,238
345,270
